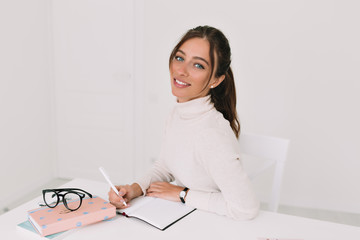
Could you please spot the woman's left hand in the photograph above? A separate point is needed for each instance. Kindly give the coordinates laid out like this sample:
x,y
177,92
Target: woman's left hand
x,y
164,190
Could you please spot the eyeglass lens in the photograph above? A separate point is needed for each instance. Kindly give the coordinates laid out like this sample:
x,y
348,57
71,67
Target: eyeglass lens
x,y
72,201
51,199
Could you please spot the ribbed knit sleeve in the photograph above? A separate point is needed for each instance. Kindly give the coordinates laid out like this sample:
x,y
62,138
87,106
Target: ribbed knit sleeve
x,y
235,197
158,173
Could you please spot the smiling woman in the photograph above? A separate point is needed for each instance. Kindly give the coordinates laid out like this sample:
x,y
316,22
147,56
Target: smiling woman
x,y
199,148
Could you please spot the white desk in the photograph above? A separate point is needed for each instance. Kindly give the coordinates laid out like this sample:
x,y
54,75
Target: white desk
x,y
197,225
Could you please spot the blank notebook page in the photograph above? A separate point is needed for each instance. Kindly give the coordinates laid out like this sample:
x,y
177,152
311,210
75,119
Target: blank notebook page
x,y
156,211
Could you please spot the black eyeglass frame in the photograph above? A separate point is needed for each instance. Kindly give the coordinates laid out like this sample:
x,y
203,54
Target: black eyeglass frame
x,y
58,192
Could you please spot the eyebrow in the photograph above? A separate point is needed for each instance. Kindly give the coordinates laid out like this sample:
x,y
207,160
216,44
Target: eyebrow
x,y
200,58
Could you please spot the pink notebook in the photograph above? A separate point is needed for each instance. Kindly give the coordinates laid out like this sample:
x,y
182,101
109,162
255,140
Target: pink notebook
x,y
53,220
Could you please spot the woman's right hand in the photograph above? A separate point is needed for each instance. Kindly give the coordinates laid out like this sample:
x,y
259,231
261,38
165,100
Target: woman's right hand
x,y
127,192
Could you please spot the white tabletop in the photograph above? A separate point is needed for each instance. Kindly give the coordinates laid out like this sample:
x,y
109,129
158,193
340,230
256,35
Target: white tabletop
x,y
197,225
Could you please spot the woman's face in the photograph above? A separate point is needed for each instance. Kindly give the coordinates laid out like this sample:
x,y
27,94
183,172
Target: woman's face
x,y
190,70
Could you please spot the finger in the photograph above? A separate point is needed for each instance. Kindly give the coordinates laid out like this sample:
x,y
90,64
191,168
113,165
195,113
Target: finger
x,y
161,186
121,199
113,196
155,187
158,184
111,191
123,206
120,205
122,191
151,190
154,194
117,204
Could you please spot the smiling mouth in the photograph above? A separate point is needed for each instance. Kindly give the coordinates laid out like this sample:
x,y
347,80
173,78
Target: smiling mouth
x,y
180,83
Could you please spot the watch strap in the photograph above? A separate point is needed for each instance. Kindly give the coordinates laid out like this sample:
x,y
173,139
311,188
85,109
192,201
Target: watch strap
x,y
183,194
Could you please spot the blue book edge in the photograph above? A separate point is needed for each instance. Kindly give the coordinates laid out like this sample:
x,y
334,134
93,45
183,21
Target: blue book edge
x,y
28,226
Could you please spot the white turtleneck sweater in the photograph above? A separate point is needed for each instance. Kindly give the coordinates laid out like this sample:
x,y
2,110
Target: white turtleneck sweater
x,y
200,151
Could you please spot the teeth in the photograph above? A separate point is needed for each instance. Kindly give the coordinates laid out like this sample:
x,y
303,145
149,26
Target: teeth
x,y
181,83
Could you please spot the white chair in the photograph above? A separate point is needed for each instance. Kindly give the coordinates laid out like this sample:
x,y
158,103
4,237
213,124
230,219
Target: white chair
x,y
274,151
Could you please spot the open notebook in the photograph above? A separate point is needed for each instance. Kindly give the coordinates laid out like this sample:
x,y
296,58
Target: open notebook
x,y
157,212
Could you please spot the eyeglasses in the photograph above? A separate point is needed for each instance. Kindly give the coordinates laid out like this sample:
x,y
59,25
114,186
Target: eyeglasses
x,y
71,197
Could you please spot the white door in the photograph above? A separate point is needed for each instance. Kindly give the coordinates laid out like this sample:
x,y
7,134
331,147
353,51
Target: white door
x,y
93,67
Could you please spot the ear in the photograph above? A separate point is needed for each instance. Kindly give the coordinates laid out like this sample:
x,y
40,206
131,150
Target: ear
x,y
217,81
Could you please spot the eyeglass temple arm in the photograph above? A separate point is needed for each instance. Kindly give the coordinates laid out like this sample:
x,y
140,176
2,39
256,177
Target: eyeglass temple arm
x,y
67,189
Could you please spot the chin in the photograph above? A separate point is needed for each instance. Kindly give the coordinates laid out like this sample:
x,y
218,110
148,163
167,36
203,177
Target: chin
x,y
175,94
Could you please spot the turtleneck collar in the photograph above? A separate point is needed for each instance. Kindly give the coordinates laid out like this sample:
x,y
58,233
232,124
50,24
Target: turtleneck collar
x,y
194,108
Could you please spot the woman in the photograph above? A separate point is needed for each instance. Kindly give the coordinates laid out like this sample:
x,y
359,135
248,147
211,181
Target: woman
x,y
199,149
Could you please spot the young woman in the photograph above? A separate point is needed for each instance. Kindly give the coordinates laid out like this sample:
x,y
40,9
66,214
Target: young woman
x,y
199,149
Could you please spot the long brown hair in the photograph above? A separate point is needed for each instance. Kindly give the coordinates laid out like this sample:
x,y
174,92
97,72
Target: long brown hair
x,y
224,95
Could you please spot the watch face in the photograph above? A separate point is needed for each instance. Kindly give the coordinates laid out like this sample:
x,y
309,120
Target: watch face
x,y
182,194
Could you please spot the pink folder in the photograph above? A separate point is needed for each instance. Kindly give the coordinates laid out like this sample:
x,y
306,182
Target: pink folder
x,y
53,220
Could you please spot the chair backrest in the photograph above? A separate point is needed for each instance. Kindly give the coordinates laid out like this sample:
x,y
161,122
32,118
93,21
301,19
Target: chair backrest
x,y
274,151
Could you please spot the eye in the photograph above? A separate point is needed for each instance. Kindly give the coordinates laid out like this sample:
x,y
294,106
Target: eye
x,y
178,58
197,65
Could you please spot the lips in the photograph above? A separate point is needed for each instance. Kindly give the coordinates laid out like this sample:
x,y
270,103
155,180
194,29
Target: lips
x,y
181,84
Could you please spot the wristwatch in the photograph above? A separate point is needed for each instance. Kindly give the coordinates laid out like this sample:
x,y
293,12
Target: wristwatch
x,y
183,194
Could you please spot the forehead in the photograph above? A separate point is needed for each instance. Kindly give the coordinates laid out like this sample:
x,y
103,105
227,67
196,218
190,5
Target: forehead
x,y
196,47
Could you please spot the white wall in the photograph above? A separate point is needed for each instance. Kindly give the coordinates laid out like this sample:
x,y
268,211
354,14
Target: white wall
x,y
26,93
94,76
299,79
296,66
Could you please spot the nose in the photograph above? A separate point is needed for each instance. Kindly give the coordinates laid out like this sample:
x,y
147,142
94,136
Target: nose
x,y
183,70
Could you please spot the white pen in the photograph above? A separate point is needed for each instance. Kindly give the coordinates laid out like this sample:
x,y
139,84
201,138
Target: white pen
x,y
102,170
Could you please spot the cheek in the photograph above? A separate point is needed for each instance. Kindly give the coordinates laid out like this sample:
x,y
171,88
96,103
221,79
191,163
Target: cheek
x,y
201,78
172,68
